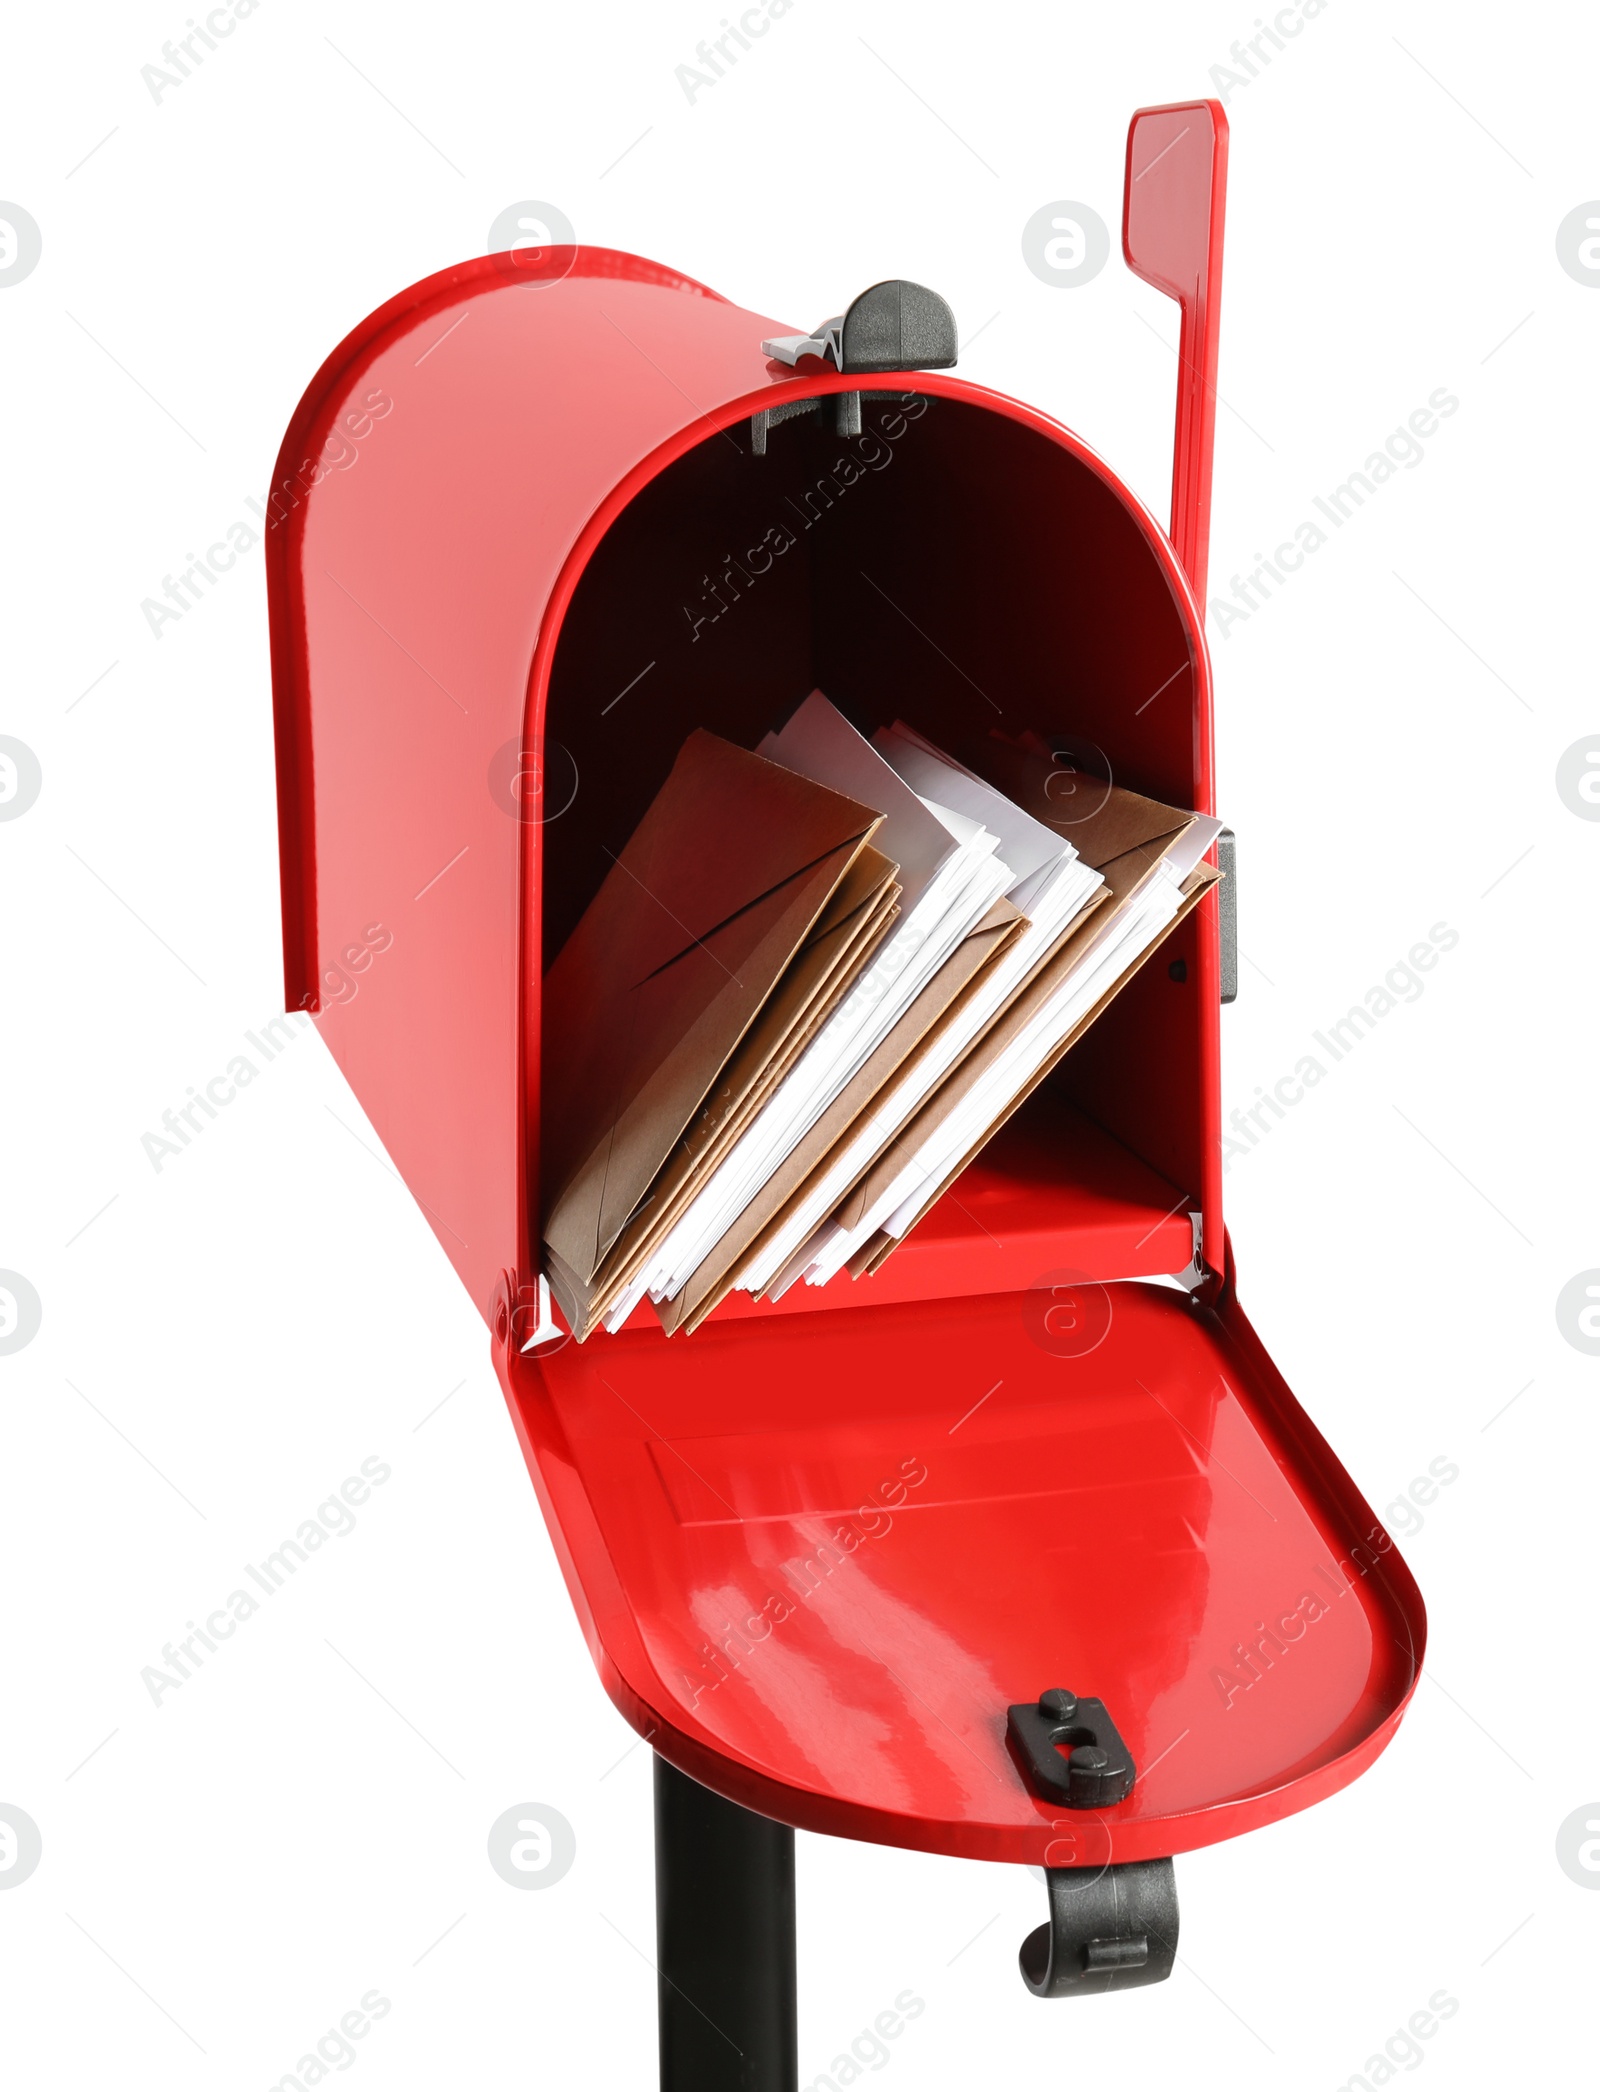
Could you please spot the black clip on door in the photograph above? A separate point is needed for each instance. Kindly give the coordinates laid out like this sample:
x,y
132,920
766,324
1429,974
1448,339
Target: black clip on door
x,y
1110,1928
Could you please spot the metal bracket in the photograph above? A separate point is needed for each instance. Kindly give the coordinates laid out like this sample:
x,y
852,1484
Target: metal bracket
x,y
546,1333
1111,1929
846,416
769,417
823,342
1194,1272
1228,912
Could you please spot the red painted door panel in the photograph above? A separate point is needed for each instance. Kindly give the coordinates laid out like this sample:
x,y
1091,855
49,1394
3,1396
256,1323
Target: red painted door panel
x,y
830,1561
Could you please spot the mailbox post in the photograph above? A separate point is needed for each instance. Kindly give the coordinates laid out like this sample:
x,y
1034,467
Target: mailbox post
x,y
996,1552
725,1945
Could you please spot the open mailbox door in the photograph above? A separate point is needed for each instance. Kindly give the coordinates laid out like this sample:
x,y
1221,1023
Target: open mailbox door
x,y
829,1553
950,1507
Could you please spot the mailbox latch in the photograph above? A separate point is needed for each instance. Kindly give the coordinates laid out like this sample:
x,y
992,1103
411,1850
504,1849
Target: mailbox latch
x,y
892,326
1071,1750
1110,1928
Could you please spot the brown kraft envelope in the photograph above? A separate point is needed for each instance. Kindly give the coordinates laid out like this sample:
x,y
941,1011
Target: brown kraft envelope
x,y
857,917
690,931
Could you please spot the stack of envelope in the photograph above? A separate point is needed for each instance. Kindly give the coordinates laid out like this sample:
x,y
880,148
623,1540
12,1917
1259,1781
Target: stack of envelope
x,y
1149,857
764,1060
673,969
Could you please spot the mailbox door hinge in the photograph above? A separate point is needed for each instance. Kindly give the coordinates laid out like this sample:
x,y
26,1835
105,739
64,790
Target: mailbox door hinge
x,y
1194,1273
521,1319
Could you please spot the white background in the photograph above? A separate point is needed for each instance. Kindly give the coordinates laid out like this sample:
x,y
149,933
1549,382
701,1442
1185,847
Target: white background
x,y
227,1339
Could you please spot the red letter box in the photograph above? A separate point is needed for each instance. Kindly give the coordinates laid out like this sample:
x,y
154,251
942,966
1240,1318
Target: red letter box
x,y
872,1559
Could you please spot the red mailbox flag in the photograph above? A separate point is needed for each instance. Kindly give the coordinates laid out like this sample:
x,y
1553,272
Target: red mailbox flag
x,y
1172,212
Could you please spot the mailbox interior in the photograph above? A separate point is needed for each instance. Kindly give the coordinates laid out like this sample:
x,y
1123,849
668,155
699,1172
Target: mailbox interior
x,y
959,570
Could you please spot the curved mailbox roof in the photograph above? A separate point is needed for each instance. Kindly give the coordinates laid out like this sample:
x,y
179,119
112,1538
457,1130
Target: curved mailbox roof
x,y
444,479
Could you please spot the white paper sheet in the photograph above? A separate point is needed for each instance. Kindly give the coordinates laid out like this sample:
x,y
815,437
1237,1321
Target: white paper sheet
x,y
950,877
1042,865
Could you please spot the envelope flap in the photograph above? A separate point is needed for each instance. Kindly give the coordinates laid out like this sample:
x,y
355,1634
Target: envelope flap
x,y
693,927
1102,821
725,830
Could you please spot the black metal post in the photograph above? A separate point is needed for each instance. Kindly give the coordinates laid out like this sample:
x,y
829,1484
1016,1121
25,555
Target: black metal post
x,y
724,1943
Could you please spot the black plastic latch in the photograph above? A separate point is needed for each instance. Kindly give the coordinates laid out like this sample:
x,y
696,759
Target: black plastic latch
x,y
899,326
894,325
1110,1928
1070,1750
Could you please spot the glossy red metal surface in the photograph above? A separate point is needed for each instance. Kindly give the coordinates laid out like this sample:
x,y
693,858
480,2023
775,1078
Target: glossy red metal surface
x,y
815,1572
407,592
1007,1214
495,510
